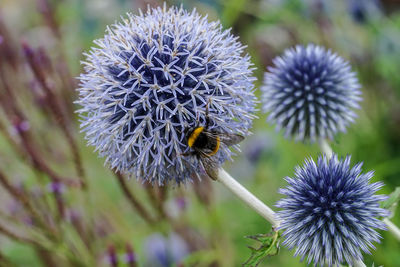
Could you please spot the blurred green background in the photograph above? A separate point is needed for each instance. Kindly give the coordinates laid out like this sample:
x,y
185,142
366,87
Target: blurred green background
x,y
211,223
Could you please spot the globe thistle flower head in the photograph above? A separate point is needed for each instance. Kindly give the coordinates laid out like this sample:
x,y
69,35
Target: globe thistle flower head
x,y
311,93
150,78
330,213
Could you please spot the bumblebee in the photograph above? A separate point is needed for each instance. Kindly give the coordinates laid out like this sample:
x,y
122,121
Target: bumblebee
x,y
205,144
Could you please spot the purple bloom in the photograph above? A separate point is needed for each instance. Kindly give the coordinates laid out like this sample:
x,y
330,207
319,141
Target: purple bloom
x,y
363,11
150,78
164,252
56,187
130,256
310,93
330,212
112,257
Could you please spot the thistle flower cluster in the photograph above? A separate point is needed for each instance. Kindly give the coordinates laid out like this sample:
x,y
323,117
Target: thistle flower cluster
x,y
310,93
155,75
330,212
150,78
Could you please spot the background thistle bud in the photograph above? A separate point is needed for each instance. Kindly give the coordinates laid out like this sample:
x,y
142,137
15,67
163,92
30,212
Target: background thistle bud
x,y
311,93
150,78
330,211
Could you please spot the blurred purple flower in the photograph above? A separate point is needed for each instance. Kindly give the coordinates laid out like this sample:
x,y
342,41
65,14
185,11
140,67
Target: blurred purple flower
x,y
311,93
363,11
181,202
331,213
112,257
176,206
20,126
130,256
56,187
256,144
164,252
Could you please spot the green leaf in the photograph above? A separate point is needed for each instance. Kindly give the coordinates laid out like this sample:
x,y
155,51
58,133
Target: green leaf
x,y
391,202
269,247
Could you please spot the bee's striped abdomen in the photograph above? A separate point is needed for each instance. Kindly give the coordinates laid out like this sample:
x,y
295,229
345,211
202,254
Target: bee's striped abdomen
x,y
194,135
216,147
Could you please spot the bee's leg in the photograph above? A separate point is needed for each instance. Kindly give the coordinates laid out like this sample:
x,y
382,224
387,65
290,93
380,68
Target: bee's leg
x,y
207,118
197,119
191,153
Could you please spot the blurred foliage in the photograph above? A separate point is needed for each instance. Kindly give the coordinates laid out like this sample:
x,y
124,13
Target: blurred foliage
x,y
392,202
211,221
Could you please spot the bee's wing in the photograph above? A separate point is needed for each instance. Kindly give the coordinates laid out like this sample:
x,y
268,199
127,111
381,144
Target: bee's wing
x,y
227,138
231,139
210,165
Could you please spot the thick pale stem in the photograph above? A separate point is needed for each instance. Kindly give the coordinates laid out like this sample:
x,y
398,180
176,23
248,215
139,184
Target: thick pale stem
x,y
392,228
252,201
326,148
359,263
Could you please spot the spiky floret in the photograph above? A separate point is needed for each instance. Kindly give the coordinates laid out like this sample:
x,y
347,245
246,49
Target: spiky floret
x,y
330,211
311,93
150,78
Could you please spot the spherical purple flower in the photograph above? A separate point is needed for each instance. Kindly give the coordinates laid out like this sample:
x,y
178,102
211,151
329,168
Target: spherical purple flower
x,y
363,11
150,78
330,212
311,93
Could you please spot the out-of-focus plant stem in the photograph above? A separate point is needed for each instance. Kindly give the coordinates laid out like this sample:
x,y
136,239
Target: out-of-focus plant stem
x,y
20,198
12,142
58,110
132,200
130,256
16,117
46,257
157,197
7,48
47,10
204,191
112,256
18,238
4,262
